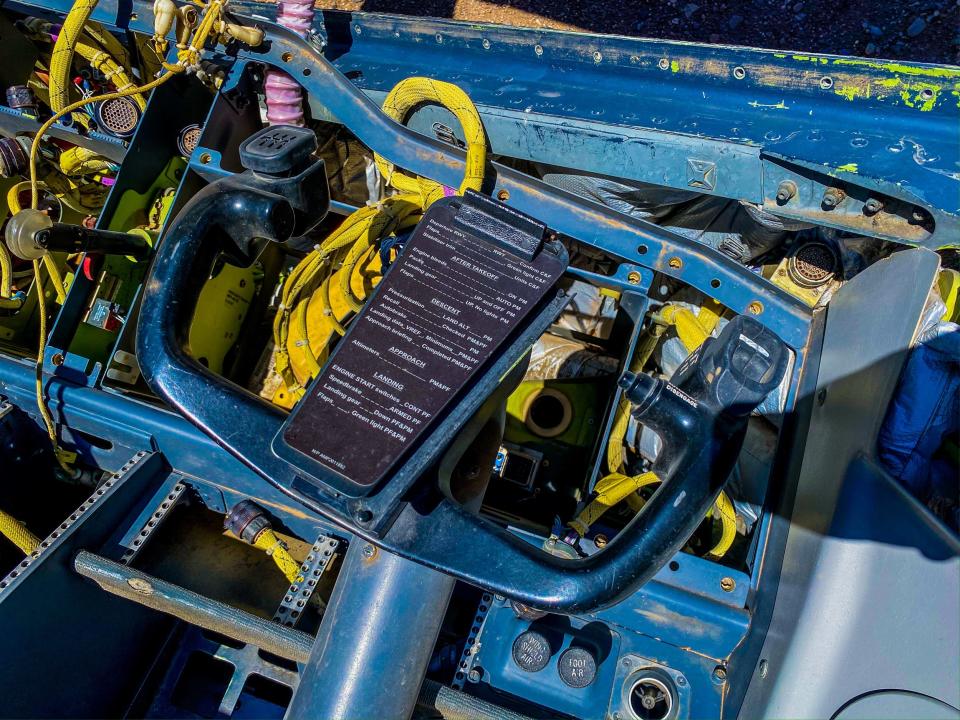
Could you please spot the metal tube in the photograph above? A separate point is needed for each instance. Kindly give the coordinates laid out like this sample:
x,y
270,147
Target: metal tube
x,y
375,640
193,608
452,704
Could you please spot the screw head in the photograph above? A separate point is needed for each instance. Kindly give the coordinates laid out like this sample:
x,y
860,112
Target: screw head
x,y
720,673
474,676
363,515
369,551
755,308
600,540
633,277
675,263
728,584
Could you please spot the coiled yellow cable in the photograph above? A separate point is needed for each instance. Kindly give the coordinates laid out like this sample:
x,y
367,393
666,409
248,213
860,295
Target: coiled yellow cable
x,y
322,290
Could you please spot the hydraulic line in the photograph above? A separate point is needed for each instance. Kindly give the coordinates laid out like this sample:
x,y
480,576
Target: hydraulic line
x,y
14,531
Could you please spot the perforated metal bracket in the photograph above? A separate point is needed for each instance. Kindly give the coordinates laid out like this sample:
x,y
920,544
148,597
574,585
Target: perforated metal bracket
x,y
471,647
299,593
164,501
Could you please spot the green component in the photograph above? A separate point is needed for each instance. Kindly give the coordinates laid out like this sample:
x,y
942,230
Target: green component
x,y
135,209
562,411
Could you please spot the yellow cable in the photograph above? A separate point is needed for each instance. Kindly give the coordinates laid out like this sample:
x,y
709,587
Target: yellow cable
x,y
319,279
268,541
15,531
60,454
61,60
617,487
35,147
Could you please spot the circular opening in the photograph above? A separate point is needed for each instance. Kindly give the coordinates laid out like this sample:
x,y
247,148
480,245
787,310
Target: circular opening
x,y
739,73
674,565
715,283
650,699
926,93
307,71
826,82
548,413
642,250
287,57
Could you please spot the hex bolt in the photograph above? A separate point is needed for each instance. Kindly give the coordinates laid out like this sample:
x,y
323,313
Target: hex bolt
x,y
832,197
786,190
872,206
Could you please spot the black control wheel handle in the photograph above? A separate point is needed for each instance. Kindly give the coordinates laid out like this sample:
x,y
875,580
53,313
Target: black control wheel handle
x,y
701,416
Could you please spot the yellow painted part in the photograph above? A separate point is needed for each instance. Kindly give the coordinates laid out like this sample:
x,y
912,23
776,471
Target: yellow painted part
x,y
948,283
221,310
273,546
15,531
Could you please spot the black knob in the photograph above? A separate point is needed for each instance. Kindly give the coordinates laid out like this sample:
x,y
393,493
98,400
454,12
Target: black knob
x,y
577,667
531,651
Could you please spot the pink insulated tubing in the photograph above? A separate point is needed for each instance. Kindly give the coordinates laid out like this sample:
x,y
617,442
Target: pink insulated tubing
x,y
284,97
